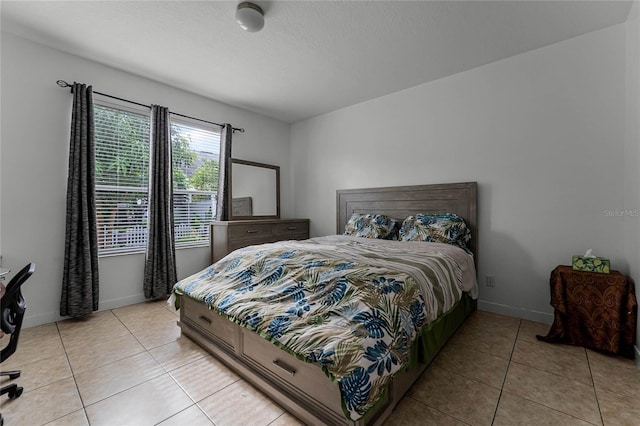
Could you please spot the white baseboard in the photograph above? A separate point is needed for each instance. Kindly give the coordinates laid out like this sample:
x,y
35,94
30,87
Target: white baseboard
x,y
46,318
637,349
122,301
513,311
34,320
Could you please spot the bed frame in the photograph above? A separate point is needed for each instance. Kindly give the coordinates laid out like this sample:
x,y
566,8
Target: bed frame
x,y
402,201
302,388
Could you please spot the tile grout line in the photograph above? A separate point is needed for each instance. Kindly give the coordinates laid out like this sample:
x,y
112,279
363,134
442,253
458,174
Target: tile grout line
x,y
73,375
549,372
59,380
166,371
433,408
555,374
592,362
182,411
506,373
131,387
466,377
486,352
593,383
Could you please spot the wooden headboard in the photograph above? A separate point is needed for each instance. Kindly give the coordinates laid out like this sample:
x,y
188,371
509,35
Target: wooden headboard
x,y
402,201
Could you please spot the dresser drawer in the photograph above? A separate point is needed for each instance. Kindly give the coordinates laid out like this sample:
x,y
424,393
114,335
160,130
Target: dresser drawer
x,y
250,231
308,378
227,236
292,229
217,326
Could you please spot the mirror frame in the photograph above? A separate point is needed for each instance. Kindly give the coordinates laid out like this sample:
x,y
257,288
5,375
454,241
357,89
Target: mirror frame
x,y
254,164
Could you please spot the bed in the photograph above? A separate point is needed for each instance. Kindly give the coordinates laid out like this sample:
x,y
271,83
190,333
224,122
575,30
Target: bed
x,y
285,315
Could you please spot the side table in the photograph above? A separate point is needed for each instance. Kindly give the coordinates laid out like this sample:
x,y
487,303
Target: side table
x,y
597,311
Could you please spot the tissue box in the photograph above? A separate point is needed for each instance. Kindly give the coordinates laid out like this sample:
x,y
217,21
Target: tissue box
x,y
591,264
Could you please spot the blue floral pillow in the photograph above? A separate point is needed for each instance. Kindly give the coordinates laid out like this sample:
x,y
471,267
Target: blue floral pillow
x,y
371,226
438,228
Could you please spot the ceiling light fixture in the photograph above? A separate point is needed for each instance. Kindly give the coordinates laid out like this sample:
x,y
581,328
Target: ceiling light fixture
x,y
250,16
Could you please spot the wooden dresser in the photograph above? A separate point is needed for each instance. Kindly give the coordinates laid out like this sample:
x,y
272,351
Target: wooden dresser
x,y
234,234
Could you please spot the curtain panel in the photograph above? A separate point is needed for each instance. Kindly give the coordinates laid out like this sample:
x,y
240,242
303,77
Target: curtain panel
x,y
160,260
80,292
224,170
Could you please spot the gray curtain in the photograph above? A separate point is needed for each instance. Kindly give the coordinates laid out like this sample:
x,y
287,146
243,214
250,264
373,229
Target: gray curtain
x,y
80,273
224,170
160,262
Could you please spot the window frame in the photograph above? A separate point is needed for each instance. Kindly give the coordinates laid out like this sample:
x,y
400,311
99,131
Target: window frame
x,y
107,102
186,121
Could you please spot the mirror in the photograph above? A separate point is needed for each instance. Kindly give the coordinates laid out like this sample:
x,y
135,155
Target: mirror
x,y
255,190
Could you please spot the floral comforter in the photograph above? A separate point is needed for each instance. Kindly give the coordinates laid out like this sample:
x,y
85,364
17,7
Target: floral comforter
x,y
351,304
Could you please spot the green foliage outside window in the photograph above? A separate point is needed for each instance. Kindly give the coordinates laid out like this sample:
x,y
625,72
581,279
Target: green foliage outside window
x,y
128,166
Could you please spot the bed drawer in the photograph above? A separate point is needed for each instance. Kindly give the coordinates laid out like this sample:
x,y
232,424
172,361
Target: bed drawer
x,y
212,323
308,378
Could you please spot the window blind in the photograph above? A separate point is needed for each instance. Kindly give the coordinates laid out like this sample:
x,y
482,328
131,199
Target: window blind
x,y
122,179
195,151
122,174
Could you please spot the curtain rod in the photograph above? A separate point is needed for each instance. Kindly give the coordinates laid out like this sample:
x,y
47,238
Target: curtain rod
x,y
64,84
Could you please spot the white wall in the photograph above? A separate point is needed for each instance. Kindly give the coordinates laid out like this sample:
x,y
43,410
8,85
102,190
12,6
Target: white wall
x,y
632,153
35,139
543,134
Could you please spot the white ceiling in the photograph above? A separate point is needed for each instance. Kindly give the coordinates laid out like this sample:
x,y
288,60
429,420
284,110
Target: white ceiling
x,y
311,57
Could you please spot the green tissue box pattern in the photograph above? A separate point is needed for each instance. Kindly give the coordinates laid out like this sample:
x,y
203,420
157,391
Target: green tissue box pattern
x,y
591,264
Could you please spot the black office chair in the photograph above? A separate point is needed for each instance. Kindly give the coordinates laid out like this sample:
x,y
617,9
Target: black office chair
x,y
12,313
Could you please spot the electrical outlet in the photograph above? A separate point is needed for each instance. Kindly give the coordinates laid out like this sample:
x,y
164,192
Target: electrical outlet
x,y
490,281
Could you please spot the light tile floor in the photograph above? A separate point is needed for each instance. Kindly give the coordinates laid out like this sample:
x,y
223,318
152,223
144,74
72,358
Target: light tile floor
x,y
130,366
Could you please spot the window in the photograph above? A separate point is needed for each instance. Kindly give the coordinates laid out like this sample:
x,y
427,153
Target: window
x,y
122,163
195,150
122,178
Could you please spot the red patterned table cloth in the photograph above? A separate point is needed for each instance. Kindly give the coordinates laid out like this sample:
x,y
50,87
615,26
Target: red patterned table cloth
x,y
597,311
